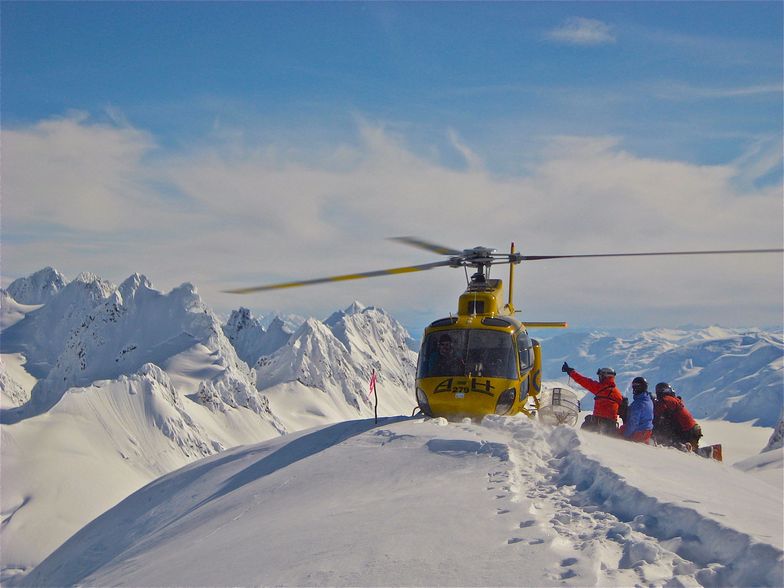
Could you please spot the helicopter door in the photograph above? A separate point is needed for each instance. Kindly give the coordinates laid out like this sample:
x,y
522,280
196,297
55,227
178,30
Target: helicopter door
x,y
525,351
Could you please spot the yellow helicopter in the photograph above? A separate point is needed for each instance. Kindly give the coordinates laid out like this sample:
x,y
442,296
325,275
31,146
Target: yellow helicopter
x,y
480,361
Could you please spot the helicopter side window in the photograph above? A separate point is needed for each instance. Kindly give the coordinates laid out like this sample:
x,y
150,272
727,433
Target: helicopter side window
x,y
526,351
476,307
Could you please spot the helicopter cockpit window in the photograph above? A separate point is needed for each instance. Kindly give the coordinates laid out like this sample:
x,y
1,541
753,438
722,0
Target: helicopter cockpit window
x,y
463,352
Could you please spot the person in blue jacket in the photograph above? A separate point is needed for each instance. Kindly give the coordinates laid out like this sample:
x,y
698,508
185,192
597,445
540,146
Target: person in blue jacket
x,y
638,425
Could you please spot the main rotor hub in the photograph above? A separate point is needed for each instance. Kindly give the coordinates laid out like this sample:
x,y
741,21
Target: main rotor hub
x,y
478,257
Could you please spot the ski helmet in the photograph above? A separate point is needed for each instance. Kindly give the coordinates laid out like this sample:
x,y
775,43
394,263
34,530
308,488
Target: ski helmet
x,y
605,372
639,384
663,389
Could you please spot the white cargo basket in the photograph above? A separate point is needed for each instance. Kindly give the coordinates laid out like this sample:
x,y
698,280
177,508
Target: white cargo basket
x,y
559,406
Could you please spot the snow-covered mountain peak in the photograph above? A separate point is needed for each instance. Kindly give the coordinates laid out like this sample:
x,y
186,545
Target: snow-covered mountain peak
x,y
132,284
132,326
94,282
339,359
291,321
279,326
242,319
311,334
37,288
43,333
249,337
353,308
276,320
370,325
188,296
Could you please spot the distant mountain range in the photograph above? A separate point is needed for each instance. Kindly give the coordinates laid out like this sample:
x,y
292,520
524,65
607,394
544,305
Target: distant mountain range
x,y
159,381
88,330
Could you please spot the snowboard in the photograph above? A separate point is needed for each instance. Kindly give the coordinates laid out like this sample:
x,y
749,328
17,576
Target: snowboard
x,y
711,451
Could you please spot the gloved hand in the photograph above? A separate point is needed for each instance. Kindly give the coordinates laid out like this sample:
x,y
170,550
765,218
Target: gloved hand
x,y
566,369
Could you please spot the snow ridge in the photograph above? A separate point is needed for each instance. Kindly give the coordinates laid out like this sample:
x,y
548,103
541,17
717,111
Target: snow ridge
x,y
552,506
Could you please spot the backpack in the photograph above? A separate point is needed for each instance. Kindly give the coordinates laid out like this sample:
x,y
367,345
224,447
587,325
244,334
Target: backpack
x,y
623,409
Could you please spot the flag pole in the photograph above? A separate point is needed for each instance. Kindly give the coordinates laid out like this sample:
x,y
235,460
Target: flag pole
x,y
375,393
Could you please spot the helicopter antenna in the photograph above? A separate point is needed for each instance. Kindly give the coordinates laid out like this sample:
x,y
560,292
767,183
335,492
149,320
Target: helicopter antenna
x,y
509,304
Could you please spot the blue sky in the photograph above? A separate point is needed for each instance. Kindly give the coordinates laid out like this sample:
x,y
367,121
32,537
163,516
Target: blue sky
x,y
224,142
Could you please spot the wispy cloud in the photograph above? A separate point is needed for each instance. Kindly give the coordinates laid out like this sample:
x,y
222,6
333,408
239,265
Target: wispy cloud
x,y
582,31
75,173
246,214
683,91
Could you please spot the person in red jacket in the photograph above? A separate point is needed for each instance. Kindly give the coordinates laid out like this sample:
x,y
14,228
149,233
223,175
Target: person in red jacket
x,y
608,399
673,424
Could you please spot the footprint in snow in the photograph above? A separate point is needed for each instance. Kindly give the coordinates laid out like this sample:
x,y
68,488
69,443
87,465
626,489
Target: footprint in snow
x,y
514,540
528,523
568,574
502,511
569,561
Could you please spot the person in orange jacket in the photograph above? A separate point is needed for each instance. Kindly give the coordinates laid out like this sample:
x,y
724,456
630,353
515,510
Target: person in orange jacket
x,y
608,399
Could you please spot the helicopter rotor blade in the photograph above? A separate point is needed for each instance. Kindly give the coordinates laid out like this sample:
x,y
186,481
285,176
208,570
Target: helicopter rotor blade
x,y
652,253
426,245
342,278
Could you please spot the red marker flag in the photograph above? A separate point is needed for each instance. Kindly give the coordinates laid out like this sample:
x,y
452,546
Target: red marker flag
x,y
372,383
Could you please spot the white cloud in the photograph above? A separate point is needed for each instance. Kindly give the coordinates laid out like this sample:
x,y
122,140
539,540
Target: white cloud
x,y
243,215
582,31
71,173
678,91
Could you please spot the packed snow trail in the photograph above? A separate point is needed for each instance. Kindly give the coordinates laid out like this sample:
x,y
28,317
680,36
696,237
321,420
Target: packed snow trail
x,y
648,514
411,502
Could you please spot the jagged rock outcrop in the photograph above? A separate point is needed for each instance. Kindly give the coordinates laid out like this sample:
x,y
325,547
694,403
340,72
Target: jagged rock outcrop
x,y
776,440
246,335
13,393
250,339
